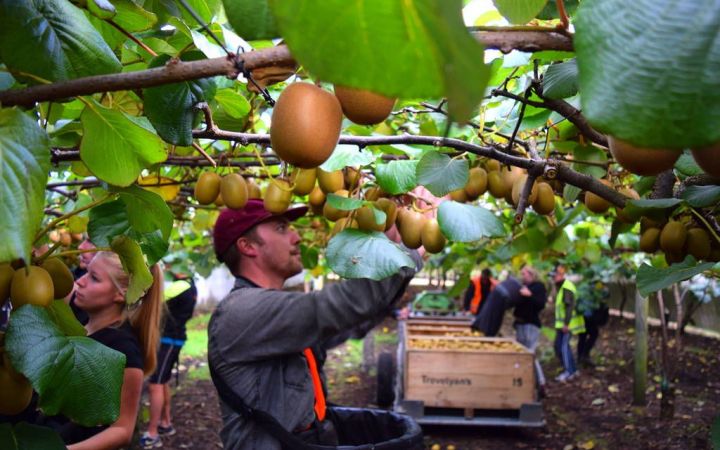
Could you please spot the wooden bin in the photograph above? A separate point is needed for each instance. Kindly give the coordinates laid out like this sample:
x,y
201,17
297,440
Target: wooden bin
x,y
467,378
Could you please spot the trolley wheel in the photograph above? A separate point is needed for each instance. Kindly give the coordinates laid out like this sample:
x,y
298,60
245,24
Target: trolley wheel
x,y
385,380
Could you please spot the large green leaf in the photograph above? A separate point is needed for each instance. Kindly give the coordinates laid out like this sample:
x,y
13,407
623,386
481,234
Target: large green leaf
x,y
441,174
651,279
107,221
74,375
561,80
360,254
232,103
251,19
520,11
65,319
701,196
647,70
24,436
171,107
655,203
344,203
147,211
24,165
687,166
116,147
53,40
396,177
591,154
134,265
467,223
416,48
347,155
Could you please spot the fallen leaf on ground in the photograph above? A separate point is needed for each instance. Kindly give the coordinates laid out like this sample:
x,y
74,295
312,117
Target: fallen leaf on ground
x,y
588,445
598,402
614,388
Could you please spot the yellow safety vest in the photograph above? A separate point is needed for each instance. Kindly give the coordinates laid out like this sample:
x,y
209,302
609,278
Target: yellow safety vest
x,y
577,321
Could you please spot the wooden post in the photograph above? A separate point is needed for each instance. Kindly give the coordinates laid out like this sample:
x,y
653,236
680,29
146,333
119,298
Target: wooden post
x,y
641,350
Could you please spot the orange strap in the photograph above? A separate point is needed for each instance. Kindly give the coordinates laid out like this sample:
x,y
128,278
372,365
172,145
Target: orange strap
x,y
317,384
477,297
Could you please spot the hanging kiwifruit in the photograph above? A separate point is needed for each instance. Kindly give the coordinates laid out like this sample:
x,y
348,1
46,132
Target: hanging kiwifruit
x,y
316,199
411,227
304,181
477,183
234,191
650,240
698,243
62,279
343,223
431,236
509,175
496,184
278,196
352,177
207,188
373,194
364,107
459,195
31,285
6,275
333,214
365,217
517,188
545,200
673,237
390,209
492,165
595,203
15,393
253,189
642,160
330,182
305,126
621,213
708,159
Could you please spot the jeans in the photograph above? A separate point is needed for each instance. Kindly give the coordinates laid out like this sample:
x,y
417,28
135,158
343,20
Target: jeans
x,y
563,351
528,335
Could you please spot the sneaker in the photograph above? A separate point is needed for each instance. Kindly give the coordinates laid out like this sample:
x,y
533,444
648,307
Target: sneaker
x,y
148,442
574,375
563,377
166,431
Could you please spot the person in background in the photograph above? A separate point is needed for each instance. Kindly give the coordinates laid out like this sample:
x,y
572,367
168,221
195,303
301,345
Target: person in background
x,y
533,297
568,322
596,313
478,291
505,296
181,297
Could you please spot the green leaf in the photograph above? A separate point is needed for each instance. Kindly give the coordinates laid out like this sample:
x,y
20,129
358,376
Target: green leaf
x,y
107,221
171,107
441,174
347,155
467,223
570,193
561,80
234,104
53,40
590,153
551,11
75,376
24,165
618,227
310,256
116,147
344,203
687,166
655,203
359,254
154,246
251,19
134,265
146,211
645,77
379,215
396,177
132,17
701,196
519,11
650,279
715,433
101,9
65,320
24,436
347,43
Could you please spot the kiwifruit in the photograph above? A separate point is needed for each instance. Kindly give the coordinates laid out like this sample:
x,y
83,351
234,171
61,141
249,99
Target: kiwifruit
x,y
365,217
207,188
10,368
401,212
62,279
431,236
621,214
698,243
304,180
278,196
364,107
305,125
390,209
650,240
492,165
642,160
15,393
708,159
352,177
219,202
6,275
330,182
341,224
373,193
673,237
233,190
647,222
509,175
253,189
517,188
65,238
459,195
477,183
32,285
333,214
411,229
595,203
496,185
672,258
316,199
545,201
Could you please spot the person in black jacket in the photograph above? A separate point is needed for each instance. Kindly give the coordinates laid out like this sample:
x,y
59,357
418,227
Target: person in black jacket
x,y
505,296
182,295
527,315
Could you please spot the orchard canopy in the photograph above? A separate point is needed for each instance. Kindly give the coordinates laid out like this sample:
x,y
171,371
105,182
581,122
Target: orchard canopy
x,y
517,130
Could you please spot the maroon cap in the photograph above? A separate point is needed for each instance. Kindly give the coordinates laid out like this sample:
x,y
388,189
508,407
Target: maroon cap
x,y
233,223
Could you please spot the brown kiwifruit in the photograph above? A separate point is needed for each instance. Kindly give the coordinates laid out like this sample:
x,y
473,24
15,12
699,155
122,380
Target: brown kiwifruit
x,y
642,160
650,240
374,193
352,177
595,203
459,195
62,278
32,285
621,214
492,165
207,188
303,180
672,258
233,191
333,214
431,236
517,188
305,126
316,199
390,209
342,224
253,189
708,159
545,200
278,196
698,243
496,185
477,183
15,392
673,237
330,182
509,175
411,229
365,217
364,107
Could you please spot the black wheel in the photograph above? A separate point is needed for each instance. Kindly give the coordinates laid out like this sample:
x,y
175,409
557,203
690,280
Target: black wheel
x,y
385,380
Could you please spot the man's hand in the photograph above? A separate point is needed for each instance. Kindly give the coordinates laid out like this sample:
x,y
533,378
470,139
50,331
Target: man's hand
x,y
525,292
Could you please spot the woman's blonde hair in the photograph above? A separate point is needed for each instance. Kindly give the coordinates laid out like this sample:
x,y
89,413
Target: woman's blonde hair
x,y
145,315
533,272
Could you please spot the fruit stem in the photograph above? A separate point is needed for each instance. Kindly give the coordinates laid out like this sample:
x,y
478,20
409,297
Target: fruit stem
x,y
77,252
202,151
64,217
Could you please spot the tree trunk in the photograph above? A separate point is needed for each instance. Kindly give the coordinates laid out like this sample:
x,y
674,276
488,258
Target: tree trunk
x,y
623,294
679,313
641,350
667,401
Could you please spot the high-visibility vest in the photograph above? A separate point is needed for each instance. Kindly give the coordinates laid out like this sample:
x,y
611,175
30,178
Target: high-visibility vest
x,y
317,385
577,321
477,296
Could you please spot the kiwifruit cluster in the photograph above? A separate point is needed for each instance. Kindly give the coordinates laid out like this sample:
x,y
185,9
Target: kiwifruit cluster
x,y
230,190
15,389
677,239
35,285
651,161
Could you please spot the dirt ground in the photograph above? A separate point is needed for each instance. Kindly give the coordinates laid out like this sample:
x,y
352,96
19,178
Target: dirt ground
x,y
592,411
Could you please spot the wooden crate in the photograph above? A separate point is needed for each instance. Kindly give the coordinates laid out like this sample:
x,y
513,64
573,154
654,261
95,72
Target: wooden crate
x,y
467,378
